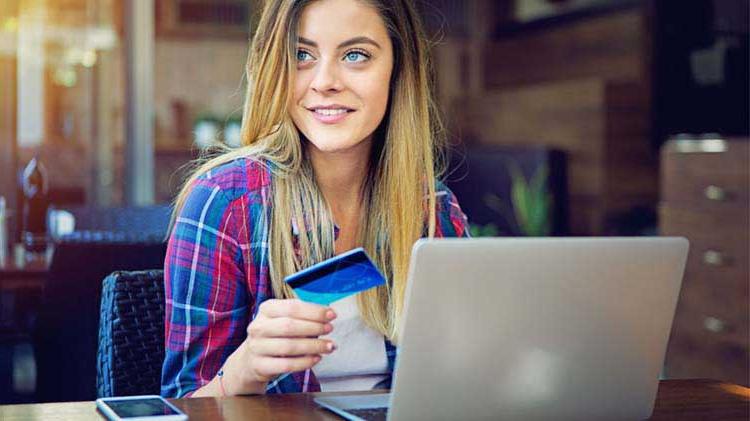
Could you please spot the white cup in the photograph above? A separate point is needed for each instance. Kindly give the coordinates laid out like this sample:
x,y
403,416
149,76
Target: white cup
x,y
61,222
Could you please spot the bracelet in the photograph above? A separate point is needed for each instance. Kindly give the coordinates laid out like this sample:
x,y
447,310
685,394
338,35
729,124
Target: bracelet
x,y
220,375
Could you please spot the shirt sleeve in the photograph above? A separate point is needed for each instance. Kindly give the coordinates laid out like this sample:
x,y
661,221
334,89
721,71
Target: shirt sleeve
x,y
208,304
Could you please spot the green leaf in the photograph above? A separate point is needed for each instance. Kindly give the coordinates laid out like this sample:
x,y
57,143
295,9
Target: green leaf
x,y
531,201
489,230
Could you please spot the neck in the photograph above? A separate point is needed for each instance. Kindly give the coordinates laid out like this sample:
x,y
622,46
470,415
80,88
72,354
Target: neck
x,y
341,175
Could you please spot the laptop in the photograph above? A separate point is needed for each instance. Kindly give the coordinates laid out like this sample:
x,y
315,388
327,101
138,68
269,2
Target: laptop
x,y
530,328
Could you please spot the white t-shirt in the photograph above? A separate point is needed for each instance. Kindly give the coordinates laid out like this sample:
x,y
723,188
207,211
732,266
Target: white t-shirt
x,y
360,361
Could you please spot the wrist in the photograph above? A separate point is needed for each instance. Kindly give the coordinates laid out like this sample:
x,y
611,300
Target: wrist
x,y
220,380
233,383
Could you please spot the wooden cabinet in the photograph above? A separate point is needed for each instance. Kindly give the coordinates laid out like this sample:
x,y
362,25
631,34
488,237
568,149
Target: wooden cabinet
x,y
704,191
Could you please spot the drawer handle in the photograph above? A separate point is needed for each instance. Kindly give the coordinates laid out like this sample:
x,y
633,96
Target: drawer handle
x,y
712,324
714,258
715,193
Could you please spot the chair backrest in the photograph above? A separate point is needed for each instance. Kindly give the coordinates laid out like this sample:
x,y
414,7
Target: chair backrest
x,y
131,334
65,335
120,223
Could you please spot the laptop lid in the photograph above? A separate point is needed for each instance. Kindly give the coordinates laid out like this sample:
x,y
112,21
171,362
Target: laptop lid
x,y
516,328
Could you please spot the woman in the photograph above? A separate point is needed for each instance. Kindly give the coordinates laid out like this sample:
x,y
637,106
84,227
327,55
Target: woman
x,y
340,151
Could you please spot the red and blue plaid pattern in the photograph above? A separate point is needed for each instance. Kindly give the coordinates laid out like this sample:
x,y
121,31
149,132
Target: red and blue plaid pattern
x,y
216,274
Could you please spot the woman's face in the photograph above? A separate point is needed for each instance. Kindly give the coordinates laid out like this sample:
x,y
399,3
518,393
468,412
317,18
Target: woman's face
x,y
344,64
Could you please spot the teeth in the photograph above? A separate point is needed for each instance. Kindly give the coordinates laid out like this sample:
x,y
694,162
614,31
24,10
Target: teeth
x,y
330,111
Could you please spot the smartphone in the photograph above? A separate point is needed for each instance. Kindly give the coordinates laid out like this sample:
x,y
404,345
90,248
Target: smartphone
x,y
139,408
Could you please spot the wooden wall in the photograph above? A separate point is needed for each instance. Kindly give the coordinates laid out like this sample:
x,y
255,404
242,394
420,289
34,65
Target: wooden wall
x,y
582,87
614,46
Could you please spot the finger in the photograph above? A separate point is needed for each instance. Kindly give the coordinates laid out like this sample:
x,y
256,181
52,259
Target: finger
x,y
282,347
272,366
287,327
297,309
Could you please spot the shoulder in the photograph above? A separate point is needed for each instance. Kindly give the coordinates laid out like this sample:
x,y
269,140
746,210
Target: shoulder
x,y
445,198
237,178
242,182
451,220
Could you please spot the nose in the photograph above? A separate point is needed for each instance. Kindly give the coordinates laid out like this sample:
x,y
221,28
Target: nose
x,y
326,78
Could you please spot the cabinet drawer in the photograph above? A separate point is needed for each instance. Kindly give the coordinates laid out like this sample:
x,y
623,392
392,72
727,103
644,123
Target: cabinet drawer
x,y
716,192
701,355
722,231
731,156
722,286
701,225
719,311
706,180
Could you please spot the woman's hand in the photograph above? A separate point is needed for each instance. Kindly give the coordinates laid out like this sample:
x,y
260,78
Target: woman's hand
x,y
282,338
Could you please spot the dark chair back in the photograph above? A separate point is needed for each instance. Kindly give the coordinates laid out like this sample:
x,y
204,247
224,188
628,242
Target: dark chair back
x,y
131,334
118,223
65,335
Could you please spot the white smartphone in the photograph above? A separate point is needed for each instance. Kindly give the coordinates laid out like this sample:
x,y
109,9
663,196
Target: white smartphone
x,y
139,408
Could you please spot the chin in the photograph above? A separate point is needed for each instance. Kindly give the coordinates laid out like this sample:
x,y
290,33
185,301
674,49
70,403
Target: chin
x,y
331,144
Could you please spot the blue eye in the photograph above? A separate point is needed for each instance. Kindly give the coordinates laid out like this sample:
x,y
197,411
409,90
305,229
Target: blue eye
x,y
356,57
303,55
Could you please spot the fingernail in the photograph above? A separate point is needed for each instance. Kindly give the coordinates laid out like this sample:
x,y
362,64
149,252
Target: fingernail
x,y
330,315
328,328
316,358
330,346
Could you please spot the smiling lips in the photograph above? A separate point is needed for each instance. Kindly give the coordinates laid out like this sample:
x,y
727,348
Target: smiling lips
x,y
330,114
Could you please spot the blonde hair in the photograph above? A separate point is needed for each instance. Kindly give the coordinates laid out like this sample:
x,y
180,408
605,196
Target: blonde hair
x,y
399,197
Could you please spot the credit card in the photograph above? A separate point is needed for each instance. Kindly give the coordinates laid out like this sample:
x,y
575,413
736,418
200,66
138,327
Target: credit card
x,y
336,278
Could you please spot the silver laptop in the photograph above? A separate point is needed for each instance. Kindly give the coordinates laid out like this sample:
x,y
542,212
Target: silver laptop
x,y
545,328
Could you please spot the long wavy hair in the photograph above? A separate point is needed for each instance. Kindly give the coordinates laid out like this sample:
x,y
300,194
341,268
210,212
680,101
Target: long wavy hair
x,y
407,158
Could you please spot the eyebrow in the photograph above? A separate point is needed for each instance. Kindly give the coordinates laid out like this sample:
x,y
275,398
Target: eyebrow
x,y
352,41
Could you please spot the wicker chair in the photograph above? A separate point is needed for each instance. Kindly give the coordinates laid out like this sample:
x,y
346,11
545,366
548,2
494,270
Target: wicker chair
x,y
131,334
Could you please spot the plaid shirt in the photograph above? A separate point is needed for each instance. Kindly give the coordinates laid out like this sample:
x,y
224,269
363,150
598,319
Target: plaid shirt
x,y
217,275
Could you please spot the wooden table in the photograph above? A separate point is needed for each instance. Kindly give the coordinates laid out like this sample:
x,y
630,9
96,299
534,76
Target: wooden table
x,y
676,400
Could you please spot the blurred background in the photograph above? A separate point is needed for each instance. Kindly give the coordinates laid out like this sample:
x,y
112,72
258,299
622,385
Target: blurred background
x,y
565,117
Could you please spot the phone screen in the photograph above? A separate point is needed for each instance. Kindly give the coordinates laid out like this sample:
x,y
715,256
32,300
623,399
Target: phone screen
x,y
140,407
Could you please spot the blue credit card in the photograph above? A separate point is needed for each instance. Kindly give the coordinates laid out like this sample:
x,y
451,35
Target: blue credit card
x,y
336,278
